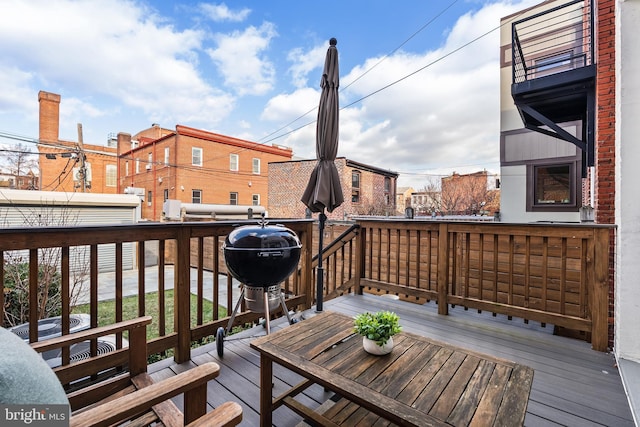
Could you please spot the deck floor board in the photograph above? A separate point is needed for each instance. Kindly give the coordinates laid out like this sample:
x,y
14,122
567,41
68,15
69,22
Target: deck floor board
x,y
573,385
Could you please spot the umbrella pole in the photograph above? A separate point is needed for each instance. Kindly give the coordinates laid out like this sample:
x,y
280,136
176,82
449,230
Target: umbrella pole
x,y
320,284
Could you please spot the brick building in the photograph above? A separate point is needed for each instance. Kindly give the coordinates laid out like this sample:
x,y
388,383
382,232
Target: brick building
x,y
27,181
72,166
194,166
367,190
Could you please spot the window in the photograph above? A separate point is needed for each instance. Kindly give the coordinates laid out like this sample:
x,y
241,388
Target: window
x,y
233,198
387,190
233,162
166,156
255,200
150,161
165,194
149,196
552,187
557,62
111,176
355,187
196,156
196,196
137,165
256,166
126,168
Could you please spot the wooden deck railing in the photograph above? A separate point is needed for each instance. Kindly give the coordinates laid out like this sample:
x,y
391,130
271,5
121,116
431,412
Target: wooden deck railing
x,y
183,245
551,273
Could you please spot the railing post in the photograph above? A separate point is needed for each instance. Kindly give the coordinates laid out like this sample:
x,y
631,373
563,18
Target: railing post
x,y
181,295
443,268
360,259
598,277
306,275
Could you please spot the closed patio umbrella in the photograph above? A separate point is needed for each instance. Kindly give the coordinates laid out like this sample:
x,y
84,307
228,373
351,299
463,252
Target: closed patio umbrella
x,y
324,190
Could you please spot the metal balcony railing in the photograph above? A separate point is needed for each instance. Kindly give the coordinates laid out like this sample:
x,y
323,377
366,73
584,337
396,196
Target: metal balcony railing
x,y
555,40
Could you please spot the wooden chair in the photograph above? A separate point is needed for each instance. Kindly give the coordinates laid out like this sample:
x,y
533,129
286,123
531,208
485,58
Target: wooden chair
x,y
133,395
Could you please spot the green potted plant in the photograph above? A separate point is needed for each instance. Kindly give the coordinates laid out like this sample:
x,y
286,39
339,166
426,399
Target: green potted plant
x,y
377,330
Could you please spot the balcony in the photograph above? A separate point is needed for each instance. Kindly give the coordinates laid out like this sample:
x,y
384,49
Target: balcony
x,y
513,291
553,72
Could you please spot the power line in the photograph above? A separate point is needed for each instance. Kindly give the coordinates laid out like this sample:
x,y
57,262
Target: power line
x,y
357,78
62,147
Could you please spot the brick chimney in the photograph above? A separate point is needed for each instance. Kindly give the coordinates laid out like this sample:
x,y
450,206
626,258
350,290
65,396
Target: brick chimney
x,y
49,116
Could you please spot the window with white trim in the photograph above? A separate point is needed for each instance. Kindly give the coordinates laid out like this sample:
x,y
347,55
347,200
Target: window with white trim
x,y
255,200
166,156
196,196
256,166
234,160
111,176
233,198
196,156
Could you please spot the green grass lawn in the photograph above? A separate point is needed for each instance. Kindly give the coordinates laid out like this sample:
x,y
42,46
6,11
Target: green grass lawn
x,y
107,311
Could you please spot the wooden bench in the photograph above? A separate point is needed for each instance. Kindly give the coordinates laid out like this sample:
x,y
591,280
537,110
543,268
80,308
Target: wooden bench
x,y
124,391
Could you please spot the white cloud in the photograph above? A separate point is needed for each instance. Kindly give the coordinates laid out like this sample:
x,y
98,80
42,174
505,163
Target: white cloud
x,y
305,62
220,12
283,109
444,117
242,61
120,66
13,92
112,49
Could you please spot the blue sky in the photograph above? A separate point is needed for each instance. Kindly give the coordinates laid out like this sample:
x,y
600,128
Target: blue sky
x,y
418,95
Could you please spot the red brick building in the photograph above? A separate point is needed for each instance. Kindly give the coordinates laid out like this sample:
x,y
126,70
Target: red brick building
x,y
72,166
194,166
367,190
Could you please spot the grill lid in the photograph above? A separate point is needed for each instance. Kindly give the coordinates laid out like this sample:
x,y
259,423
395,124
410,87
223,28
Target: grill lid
x,y
261,255
261,237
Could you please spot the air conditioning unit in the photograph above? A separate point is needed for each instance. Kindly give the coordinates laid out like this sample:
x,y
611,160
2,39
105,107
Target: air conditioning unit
x,y
148,167
52,327
82,350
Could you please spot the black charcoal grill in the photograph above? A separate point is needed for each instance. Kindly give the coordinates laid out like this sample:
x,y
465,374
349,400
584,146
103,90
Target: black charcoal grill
x,y
260,257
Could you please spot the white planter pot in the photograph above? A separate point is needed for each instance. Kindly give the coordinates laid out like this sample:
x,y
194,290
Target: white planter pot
x,y
372,347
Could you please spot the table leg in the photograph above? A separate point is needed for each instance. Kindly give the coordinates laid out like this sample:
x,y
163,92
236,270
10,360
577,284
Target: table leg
x,y
266,390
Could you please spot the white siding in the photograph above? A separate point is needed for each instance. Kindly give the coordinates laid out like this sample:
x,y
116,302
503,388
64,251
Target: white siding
x,y
42,208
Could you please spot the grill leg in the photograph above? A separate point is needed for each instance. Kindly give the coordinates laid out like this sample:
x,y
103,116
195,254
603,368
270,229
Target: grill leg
x,y
283,304
266,310
235,311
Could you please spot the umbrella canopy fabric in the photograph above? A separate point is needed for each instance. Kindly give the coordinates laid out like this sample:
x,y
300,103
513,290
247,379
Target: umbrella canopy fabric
x,y
324,190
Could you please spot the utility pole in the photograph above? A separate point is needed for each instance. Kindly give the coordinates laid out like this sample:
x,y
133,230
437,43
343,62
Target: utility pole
x,y
82,158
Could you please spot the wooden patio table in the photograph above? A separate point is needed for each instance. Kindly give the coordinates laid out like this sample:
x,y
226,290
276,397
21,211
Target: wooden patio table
x,y
420,383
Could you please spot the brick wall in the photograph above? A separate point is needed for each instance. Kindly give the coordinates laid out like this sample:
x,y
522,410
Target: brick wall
x,y
605,133
180,177
49,122
56,174
605,115
288,180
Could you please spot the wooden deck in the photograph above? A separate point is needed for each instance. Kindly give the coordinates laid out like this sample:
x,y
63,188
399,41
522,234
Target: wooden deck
x,y
573,385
